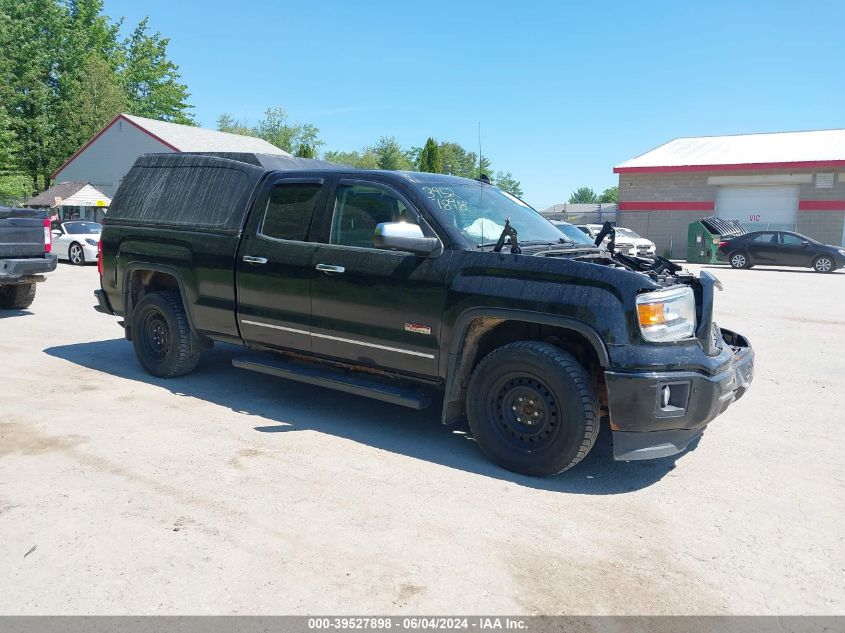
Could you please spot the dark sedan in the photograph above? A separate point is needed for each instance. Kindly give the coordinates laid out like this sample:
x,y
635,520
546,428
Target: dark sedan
x,y
781,248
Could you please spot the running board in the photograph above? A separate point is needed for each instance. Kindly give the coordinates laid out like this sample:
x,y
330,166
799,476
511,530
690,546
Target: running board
x,y
338,379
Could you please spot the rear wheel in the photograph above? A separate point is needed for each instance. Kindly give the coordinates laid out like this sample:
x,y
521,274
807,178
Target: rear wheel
x,y
532,408
162,337
17,297
740,260
824,264
76,254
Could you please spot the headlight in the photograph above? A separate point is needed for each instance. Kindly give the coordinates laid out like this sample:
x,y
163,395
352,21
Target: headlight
x,y
667,315
91,242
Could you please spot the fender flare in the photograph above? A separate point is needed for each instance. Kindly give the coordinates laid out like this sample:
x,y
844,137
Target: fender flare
x,y
454,397
128,306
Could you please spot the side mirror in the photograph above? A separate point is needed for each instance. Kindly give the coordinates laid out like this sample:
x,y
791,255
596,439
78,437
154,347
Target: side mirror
x,y
805,243
57,233
404,236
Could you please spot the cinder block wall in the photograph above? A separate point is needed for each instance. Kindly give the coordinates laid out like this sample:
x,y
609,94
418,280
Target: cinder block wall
x,y
824,226
668,228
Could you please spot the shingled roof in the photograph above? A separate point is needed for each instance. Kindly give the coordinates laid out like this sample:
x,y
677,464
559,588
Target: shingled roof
x,y
187,138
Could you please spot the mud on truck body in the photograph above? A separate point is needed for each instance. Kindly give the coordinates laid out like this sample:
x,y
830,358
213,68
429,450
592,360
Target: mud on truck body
x,y
394,285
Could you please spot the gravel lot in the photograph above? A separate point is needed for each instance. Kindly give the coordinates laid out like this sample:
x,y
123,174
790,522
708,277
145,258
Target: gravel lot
x,y
232,492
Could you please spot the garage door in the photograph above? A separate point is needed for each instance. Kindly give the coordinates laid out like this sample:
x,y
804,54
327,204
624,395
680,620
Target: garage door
x,y
759,208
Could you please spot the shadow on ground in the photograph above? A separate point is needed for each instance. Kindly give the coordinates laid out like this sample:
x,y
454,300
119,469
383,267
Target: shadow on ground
x,y
296,407
5,314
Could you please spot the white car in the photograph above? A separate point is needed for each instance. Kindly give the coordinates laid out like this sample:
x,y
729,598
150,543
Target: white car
x,y
76,240
644,247
627,241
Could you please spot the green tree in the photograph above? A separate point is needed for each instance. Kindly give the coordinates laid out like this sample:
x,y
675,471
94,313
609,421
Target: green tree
x,y
611,194
360,160
506,181
227,123
390,155
96,97
457,161
275,129
31,38
429,159
152,80
583,195
305,151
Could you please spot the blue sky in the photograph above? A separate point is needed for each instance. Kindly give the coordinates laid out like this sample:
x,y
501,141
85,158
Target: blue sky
x,y
563,90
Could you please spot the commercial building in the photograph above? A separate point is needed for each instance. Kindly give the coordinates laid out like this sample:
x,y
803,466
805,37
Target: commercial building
x,y
72,201
104,160
789,181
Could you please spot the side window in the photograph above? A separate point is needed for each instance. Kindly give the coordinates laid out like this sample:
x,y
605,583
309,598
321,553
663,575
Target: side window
x,y
766,238
357,211
289,210
791,239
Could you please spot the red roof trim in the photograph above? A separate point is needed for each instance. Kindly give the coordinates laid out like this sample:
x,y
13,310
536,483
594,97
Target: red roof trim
x,y
662,205
119,117
821,205
809,164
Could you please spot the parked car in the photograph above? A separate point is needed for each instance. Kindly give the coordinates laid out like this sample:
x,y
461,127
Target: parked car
x,y
25,254
624,246
643,246
76,240
573,233
392,284
780,248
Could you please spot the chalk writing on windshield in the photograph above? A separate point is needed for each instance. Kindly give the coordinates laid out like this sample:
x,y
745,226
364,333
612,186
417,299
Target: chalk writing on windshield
x,y
446,199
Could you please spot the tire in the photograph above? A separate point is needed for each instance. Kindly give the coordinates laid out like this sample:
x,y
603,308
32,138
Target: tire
x,y
76,254
824,264
504,391
739,259
17,297
162,338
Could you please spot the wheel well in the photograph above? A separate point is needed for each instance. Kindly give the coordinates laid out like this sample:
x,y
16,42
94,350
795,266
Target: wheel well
x,y
486,334
140,284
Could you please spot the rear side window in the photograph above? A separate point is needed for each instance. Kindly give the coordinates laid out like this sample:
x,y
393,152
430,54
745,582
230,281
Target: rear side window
x,y
200,196
289,210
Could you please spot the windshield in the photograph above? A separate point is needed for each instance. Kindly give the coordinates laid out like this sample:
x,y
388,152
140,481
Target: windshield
x,y
627,233
479,212
574,233
80,228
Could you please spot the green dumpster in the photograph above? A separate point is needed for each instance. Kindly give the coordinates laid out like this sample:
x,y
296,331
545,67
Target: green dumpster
x,y
703,237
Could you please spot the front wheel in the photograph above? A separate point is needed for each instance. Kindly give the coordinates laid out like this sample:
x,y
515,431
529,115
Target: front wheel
x,y
824,264
740,260
75,254
162,337
532,408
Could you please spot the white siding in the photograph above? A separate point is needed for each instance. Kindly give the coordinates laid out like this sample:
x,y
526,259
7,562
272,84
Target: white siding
x,y
86,197
105,162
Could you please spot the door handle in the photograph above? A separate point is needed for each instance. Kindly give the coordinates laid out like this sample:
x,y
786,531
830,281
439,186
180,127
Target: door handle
x,y
327,268
250,259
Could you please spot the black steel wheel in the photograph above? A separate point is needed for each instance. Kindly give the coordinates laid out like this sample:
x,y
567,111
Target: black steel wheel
x,y
162,336
824,264
76,254
532,408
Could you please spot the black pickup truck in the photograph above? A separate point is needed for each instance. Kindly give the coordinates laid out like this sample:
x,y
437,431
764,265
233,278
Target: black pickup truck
x,y
394,285
25,245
